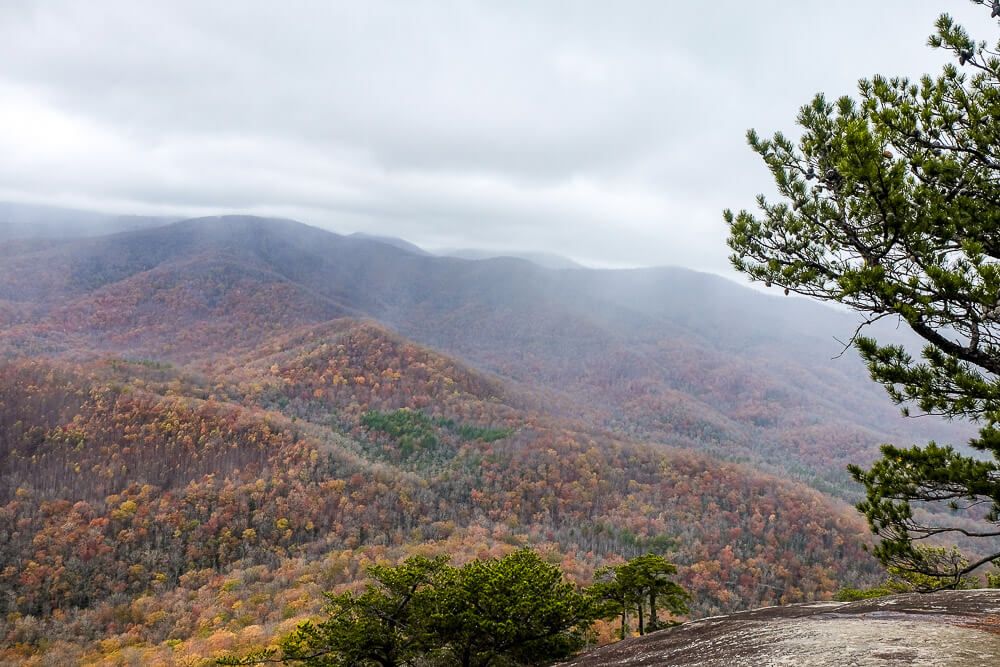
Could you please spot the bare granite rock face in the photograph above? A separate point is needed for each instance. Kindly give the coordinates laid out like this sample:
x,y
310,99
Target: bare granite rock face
x,y
944,629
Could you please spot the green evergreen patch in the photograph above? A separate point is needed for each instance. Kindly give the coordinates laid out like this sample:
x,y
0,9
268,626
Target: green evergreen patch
x,y
415,431
468,432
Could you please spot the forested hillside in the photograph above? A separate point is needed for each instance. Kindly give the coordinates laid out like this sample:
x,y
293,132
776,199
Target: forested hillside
x,y
204,424
166,509
663,355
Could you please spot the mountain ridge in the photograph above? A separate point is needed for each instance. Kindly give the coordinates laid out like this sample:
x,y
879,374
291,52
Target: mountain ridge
x,y
622,345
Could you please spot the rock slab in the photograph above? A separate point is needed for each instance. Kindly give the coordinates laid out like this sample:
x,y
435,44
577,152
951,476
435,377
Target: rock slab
x,y
943,629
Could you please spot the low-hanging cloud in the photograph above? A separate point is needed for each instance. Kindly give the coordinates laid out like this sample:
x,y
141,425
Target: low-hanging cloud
x,y
609,133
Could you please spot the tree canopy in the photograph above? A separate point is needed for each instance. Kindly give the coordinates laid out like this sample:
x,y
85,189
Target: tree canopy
x,y
516,610
890,204
383,625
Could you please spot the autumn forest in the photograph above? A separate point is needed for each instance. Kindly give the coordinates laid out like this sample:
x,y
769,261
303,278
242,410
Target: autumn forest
x,y
205,425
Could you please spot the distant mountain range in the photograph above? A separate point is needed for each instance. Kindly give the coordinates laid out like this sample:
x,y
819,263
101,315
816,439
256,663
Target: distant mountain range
x,y
34,221
663,354
543,259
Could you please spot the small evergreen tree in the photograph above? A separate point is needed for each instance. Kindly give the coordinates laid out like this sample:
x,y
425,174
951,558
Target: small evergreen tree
x,y
383,626
614,595
643,580
517,609
651,574
906,581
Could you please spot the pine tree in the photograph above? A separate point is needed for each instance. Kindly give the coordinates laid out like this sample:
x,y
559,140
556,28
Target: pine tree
x,y
620,589
890,204
383,626
517,609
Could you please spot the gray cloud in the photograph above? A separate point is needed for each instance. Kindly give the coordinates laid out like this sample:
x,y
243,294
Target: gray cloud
x,y
612,133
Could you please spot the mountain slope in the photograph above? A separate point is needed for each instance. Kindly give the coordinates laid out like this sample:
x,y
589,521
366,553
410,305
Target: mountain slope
x,y
128,488
659,354
204,425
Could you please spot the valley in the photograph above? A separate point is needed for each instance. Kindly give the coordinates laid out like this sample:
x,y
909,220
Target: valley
x,y
206,423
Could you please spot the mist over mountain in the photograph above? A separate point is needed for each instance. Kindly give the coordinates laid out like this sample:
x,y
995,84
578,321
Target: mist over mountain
x,y
393,241
543,259
665,354
34,221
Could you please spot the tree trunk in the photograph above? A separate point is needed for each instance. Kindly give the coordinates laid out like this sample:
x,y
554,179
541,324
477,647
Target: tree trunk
x,y
624,616
653,622
639,609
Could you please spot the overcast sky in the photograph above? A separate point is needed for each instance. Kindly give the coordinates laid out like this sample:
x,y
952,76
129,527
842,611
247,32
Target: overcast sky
x,y
610,132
